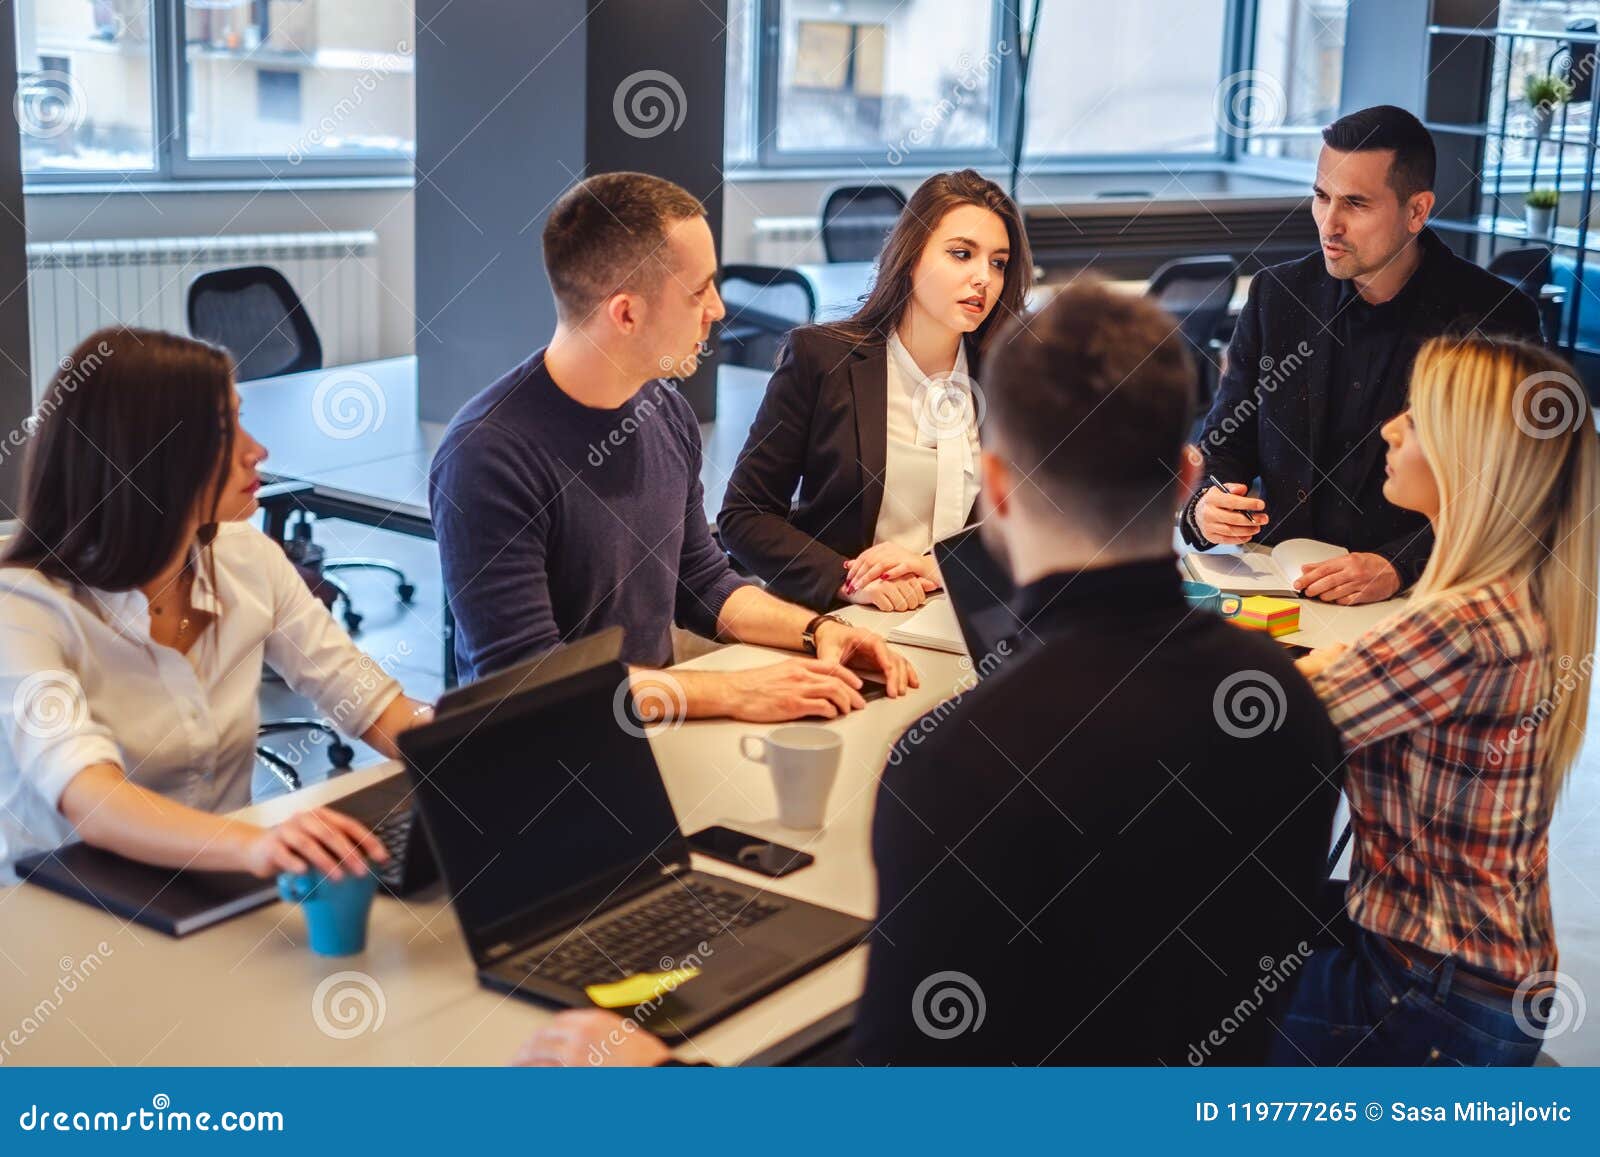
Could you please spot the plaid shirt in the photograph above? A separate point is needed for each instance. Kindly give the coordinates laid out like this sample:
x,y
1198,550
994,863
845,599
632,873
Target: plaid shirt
x,y
1438,709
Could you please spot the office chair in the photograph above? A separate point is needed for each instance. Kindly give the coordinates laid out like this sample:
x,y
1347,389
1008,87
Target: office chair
x,y
1197,292
764,302
1528,267
255,314
856,219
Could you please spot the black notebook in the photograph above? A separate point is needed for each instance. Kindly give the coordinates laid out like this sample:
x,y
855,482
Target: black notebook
x,y
174,902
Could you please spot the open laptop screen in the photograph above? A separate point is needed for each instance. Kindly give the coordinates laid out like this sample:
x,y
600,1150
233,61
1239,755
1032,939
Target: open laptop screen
x,y
541,812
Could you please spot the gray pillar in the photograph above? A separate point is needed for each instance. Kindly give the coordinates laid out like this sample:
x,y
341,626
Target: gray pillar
x,y
16,390
515,103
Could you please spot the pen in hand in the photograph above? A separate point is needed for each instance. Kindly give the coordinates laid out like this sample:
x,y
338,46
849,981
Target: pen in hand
x,y
1212,478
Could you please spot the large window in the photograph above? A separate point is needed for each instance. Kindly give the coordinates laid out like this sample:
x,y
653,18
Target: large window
x,y
844,83
1292,87
1136,77
877,79
85,99
215,88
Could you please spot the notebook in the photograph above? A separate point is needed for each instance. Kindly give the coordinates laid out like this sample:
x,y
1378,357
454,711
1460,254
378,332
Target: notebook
x,y
934,627
1260,570
174,902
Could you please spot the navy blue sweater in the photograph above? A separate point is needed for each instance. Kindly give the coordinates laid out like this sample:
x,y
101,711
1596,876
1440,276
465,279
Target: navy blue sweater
x,y
556,520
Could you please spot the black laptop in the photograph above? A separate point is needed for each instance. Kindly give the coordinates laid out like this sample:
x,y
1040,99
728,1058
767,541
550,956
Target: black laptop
x,y
564,859
980,592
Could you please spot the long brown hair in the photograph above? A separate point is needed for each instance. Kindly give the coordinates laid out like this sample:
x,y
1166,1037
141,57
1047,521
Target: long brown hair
x,y
126,442
890,296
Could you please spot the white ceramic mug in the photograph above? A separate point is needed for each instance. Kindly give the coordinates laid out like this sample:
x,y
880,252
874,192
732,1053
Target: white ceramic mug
x,y
804,761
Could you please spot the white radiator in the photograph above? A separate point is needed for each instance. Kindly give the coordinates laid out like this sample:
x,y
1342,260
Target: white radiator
x,y
75,287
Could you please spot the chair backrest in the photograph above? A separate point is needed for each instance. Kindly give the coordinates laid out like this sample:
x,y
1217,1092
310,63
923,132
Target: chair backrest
x,y
254,313
1196,291
856,219
1527,267
763,302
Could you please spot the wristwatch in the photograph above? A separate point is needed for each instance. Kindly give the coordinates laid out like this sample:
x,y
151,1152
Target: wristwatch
x,y
808,637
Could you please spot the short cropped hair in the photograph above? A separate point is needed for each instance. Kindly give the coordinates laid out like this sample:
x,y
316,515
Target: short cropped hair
x,y
605,234
1092,399
1385,126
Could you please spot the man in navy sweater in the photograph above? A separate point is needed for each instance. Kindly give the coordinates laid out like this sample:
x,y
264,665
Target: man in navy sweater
x,y
567,499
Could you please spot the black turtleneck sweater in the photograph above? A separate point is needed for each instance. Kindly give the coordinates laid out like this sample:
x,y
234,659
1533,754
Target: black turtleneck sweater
x,y
1117,838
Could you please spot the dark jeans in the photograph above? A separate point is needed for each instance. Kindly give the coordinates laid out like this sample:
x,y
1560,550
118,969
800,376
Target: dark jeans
x,y
1355,1004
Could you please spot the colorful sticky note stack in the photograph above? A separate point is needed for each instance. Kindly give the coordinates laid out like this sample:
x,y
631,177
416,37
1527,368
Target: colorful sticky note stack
x,y
1274,616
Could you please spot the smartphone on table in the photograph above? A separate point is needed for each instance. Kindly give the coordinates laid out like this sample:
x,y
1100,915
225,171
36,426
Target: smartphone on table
x,y
746,851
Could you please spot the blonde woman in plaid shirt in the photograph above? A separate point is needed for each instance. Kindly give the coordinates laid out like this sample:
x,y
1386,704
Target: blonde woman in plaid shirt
x,y
1461,718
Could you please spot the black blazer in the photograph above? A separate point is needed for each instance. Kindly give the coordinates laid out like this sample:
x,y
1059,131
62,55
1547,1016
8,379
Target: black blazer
x,y
823,426
1268,419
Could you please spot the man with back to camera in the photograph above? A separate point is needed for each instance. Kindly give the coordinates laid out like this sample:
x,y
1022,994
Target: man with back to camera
x,y
1321,357
567,497
1113,844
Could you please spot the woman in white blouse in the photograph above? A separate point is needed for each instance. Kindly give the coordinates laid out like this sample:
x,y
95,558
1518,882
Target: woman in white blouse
x,y
136,608
874,420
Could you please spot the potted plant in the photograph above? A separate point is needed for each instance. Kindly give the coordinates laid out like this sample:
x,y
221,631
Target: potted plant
x,y
1543,94
1540,211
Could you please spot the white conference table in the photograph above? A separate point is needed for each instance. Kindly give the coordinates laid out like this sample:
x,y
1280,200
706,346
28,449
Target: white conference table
x,y
246,992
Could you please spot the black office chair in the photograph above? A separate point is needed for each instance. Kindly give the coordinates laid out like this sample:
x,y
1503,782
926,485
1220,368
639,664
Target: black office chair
x,y
764,302
856,219
1528,267
1197,291
255,314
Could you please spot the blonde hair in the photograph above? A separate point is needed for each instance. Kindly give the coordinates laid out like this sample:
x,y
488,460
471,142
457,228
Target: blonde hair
x,y
1507,429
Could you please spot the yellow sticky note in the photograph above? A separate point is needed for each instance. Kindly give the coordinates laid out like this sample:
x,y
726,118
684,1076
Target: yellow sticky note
x,y
639,987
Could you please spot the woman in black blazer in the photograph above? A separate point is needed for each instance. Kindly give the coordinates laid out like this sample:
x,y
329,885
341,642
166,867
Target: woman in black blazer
x,y
874,419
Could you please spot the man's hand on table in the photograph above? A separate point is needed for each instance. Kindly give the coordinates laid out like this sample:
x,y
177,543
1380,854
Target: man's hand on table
x,y
1349,580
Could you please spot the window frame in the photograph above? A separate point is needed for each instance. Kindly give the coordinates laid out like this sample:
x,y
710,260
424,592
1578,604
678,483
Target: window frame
x,y
169,79
766,157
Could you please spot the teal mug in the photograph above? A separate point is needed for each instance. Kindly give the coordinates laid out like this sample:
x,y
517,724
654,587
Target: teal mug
x,y
1206,597
336,910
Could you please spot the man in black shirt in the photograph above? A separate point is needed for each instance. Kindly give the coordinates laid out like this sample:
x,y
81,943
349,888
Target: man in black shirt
x,y
1321,358
1109,850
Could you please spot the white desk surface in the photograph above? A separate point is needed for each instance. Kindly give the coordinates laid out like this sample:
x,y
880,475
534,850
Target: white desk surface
x,y
242,993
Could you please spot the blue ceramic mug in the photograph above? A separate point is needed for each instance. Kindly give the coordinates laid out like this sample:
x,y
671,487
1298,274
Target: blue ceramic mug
x,y
1206,597
336,910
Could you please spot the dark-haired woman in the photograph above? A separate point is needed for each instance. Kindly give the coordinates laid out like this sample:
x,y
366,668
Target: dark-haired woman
x,y
136,608
874,419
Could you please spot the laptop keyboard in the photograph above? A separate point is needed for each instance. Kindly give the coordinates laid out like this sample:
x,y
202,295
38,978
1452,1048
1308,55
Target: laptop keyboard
x,y
644,939
394,832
